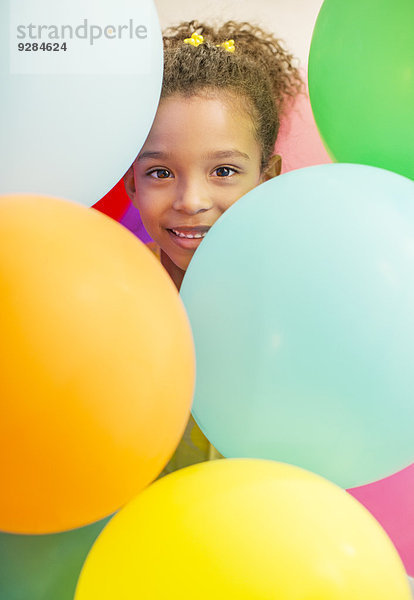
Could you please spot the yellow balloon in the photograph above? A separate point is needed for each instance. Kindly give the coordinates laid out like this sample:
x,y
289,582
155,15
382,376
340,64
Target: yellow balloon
x,y
247,529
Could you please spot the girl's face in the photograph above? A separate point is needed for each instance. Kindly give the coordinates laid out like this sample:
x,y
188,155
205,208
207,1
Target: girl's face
x,y
200,156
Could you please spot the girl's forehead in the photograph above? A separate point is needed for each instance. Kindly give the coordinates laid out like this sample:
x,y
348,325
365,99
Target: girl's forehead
x,y
197,119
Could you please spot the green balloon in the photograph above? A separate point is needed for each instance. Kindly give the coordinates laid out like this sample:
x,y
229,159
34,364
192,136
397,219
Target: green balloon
x,y
44,567
361,82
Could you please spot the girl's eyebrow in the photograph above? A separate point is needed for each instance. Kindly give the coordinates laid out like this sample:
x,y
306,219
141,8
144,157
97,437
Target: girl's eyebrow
x,y
227,154
210,155
154,154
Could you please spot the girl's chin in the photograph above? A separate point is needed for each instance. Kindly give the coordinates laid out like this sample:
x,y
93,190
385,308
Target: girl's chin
x,y
173,261
182,264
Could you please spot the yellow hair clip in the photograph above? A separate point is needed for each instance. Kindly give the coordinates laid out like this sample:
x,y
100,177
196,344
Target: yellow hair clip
x,y
194,40
228,45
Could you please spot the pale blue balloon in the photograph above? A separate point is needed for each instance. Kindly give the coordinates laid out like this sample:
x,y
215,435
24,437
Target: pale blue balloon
x,y
73,118
301,301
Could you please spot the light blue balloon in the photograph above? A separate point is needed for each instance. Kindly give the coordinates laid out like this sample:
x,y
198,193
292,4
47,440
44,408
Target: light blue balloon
x,y
301,301
73,118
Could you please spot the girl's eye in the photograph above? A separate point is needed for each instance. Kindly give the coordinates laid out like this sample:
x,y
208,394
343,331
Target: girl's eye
x,y
159,173
224,171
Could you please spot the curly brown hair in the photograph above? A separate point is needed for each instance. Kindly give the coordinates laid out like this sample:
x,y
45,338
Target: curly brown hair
x,y
260,71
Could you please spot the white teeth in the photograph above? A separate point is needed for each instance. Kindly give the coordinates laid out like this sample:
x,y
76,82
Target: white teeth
x,y
188,235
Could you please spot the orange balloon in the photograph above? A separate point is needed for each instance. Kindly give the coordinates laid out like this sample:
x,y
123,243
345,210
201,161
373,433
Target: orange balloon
x,y
96,365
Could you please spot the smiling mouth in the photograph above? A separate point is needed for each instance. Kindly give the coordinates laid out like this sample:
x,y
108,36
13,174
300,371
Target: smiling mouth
x,y
188,236
189,233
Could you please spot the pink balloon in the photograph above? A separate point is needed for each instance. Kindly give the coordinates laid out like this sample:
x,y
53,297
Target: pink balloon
x,y
299,142
391,502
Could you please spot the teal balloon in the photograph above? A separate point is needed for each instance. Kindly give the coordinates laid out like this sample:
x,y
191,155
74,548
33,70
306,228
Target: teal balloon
x,y
301,302
361,82
44,567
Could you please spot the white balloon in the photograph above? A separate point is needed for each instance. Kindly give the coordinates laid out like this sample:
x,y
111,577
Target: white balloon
x,y
80,83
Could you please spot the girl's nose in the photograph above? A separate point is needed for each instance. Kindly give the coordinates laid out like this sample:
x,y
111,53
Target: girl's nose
x,y
192,198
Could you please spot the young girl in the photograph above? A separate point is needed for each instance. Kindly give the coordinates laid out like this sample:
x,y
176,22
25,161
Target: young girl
x,y
212,140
